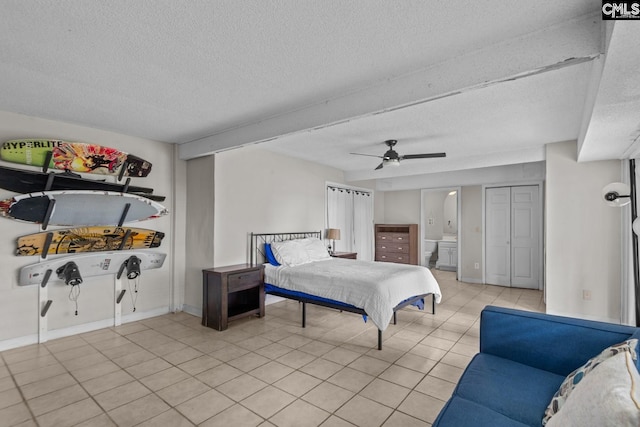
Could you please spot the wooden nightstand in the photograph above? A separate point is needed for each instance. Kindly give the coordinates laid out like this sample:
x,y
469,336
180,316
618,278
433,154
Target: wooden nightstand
x,y
348,255
231,292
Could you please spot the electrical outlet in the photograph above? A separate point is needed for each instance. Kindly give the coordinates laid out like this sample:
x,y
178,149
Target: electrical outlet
x,y
476,266
431,221
586,294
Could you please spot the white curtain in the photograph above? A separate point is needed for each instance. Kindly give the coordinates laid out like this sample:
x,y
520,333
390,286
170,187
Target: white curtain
x,y
363,225
340,216
628,297
351,211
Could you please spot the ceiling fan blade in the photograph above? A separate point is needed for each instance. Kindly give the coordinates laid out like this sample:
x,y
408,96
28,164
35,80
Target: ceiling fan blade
x,y
379,166
422,156
369,155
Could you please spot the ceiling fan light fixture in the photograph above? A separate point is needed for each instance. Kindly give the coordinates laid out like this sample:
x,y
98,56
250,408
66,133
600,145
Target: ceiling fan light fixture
x,y
391,162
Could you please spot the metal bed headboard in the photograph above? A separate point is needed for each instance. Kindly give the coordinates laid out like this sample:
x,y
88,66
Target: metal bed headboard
x,y
259,239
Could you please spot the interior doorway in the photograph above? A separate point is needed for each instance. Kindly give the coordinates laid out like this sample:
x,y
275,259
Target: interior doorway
x,y
440,219
513,236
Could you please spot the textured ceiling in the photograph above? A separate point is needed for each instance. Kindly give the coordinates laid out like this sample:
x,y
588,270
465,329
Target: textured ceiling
x,y
489,82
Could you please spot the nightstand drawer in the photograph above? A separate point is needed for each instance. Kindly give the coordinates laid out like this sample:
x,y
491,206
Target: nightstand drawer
x,y
244,280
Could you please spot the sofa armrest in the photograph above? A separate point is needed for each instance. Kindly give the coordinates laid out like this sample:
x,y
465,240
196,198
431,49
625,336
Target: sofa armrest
x,y
553,343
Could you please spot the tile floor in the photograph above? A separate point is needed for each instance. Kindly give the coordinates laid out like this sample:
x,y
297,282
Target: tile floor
x,y
171,371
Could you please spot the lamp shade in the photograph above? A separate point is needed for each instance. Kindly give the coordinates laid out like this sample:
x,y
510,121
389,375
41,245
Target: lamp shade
x,y
333,233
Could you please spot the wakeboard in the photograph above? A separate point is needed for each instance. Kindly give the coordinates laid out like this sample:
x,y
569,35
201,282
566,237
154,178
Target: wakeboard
x,y
89,265
87,239
74,156
26,181
80,208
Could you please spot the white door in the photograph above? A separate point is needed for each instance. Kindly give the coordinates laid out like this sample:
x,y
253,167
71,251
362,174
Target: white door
x,y
513,236
498,235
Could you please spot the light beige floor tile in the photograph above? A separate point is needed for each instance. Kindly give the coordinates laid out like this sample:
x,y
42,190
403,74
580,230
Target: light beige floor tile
x,y
165,378
321,368
10,397
39,374
438,343
38,388
140,410
388,354
385,392
199,364
447,372
7,383
296,359
166,348
416,363
101,420
398,419
268,401
133,358
328,396
402,376
170,418
364,412
236,415
219,375
122,350
182,391
241,387
62,345
95,371
300,414
369,365
421,406
334,421
57,399
271,372
457,360
181,356
429,352
21,354
229,352
71,414
84,361
254,343
149,367
15,414
436,387
297,383
274,351
248,362
295,341
341,356
205,406
317,348
465,350
121,395
351,379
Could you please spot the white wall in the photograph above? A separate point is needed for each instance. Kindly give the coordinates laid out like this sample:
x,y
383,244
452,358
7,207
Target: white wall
x,y
583,236
402,207
19,314
433,202
471,234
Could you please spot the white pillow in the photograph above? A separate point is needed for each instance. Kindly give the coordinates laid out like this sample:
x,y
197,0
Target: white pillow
x,y
315,249
290,253
608,396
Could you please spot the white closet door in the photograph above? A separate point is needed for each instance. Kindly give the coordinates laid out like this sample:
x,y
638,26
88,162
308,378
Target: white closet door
x,y
513,236
525,237
498,235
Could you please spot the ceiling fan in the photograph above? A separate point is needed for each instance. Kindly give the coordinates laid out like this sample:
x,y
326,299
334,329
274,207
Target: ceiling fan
x,y
391,157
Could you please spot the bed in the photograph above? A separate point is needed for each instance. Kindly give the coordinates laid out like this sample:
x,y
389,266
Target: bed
x,y
298,267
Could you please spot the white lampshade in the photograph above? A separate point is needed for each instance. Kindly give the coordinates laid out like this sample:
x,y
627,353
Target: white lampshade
x,y
333,234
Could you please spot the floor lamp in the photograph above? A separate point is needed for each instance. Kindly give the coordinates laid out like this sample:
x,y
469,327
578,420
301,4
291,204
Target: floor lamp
x,y
619,194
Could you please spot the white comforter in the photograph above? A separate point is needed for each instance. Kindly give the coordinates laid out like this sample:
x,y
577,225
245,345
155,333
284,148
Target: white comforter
x,y
377,287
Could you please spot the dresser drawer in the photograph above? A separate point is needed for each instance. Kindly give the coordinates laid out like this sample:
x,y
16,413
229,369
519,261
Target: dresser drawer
x,y
244,280
393,247
393,257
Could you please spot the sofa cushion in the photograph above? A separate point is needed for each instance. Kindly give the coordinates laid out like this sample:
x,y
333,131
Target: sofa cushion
x,y
575,377
512,389
608,396
459,412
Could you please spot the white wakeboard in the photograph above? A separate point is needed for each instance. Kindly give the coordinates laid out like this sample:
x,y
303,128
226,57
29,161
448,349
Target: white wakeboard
x,y
95,264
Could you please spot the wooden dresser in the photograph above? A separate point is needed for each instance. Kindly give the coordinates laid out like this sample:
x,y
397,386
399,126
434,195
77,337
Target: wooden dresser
x,y
397,243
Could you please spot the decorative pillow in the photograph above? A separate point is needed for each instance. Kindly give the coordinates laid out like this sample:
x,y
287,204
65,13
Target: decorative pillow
x,y
569,384
290,253
315,249
268,254
608,396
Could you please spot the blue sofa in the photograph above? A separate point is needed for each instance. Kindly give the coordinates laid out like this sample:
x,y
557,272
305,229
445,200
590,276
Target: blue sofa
x,y
523,359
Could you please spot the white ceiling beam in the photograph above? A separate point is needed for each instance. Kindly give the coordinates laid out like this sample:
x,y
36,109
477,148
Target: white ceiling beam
x,y
545,50
611,128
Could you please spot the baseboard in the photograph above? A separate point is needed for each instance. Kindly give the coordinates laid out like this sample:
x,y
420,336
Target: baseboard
x,y
195,311
470,280
79,329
